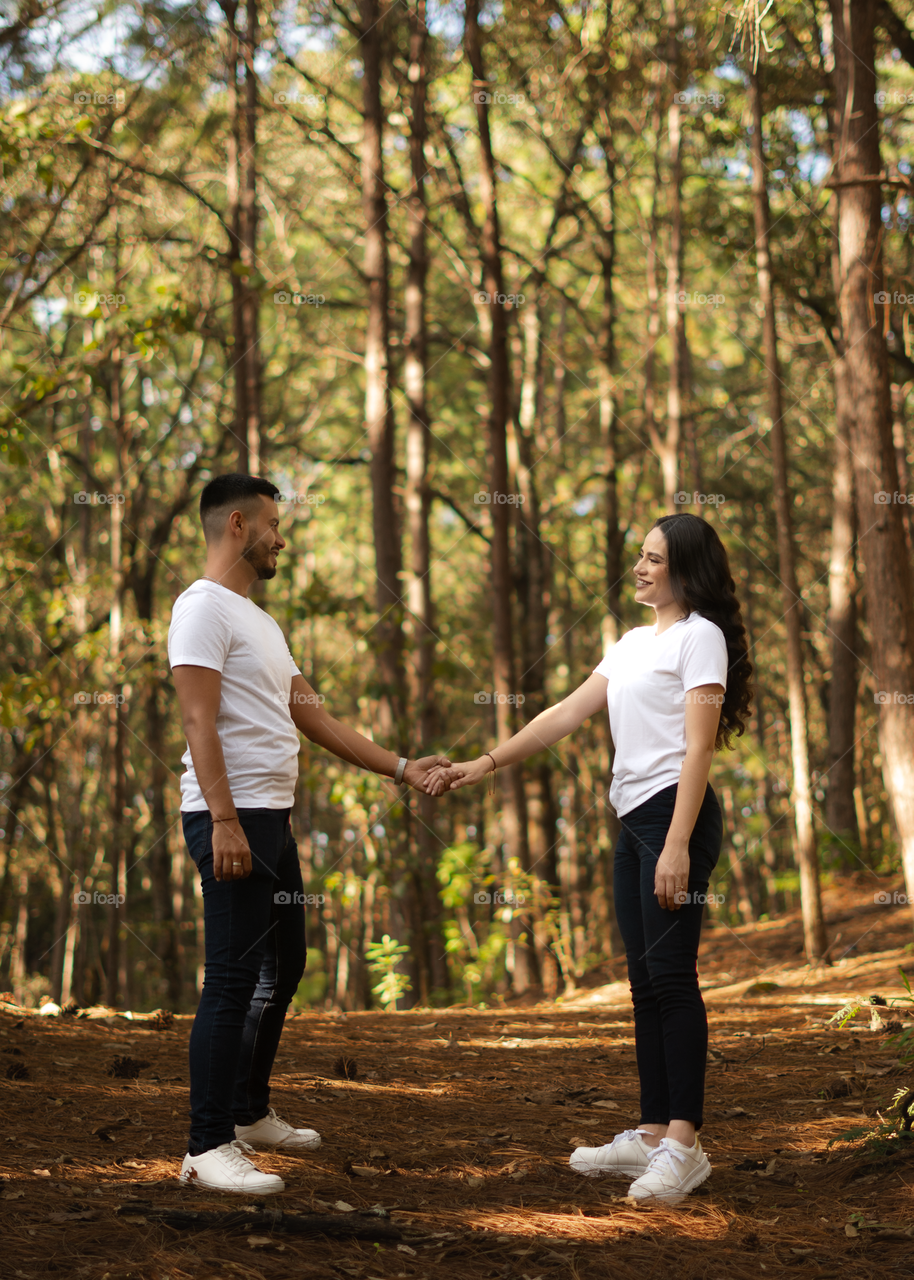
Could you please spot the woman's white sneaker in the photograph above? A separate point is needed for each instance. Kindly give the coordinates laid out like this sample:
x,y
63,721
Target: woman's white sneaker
x,y
227,1168
273,1132
673,1172
628,1155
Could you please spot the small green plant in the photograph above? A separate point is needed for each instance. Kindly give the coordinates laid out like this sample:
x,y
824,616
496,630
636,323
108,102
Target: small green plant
x,y
891,1133
895,1127
383,958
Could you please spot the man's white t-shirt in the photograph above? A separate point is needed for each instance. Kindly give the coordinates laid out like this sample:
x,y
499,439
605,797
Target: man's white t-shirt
x,y
214,627
647,679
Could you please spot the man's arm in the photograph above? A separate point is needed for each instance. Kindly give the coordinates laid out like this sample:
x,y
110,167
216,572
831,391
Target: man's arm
x,y
199,692
319,726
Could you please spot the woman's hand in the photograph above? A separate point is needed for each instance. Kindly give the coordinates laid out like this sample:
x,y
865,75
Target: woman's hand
x,y
671,878
458,775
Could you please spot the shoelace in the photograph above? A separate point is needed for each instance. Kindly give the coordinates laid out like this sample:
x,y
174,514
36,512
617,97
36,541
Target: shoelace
x,y
627,1136
670,1152
237,1160
283,1124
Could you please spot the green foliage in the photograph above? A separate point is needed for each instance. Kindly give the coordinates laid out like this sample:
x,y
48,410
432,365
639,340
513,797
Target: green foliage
x,y
383,959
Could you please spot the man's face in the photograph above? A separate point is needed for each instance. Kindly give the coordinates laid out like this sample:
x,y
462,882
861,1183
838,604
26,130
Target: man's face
x,y
263,541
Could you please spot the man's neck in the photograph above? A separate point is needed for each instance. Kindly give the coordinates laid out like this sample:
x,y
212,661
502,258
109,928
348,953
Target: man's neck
x,y
235,577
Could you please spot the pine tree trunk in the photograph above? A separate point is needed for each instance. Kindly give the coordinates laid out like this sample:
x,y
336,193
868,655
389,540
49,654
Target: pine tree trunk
x,y
888,578
807,854
675,315
235,221
379,418
840,811
427,905
250,298
510,780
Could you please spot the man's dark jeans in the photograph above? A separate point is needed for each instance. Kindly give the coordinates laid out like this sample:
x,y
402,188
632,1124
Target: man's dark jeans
x,y
255,958
671,1026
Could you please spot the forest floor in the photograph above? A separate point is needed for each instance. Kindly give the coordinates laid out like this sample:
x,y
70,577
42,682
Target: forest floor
x,y
457,1129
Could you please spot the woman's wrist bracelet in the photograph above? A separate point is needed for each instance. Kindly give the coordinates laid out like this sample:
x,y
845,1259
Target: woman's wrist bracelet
x,y
235,819
401,769
492,771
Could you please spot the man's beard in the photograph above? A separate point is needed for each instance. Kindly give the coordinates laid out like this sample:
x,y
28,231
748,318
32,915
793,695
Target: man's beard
x,y
258,557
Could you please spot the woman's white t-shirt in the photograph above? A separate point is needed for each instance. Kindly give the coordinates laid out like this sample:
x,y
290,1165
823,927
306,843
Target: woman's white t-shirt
x,y
214,627
648,677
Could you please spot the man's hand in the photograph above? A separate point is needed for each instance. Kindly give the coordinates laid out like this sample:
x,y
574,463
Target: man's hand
x,y
459,775
231,851
416,772
671,878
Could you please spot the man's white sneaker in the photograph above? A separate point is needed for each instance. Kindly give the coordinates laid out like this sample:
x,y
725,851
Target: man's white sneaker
x,y
273,1132
673,1172
227,1168
628,1155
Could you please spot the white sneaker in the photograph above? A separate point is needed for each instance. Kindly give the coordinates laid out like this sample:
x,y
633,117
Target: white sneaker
x,y
273,1132
626,1156
673,1172
227,1168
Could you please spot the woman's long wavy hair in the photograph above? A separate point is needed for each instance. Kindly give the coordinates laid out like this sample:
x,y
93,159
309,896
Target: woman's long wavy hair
x,y
701,581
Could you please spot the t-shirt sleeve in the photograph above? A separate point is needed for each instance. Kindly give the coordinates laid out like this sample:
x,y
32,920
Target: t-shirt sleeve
x,y
293,669
704,657
200,634
604,668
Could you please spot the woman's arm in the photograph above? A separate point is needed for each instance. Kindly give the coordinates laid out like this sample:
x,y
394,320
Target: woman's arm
x,y
549,727
702,716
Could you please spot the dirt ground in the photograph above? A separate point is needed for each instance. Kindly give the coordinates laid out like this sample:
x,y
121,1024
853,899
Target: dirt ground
x,y
458,1126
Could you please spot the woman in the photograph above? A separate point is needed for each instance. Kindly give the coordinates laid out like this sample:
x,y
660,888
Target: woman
x,y
675,692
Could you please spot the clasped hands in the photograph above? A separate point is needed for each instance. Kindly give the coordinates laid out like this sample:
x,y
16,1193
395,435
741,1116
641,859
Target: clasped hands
x,y
450,777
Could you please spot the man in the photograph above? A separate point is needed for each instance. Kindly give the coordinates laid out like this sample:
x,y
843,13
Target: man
x,y
242,702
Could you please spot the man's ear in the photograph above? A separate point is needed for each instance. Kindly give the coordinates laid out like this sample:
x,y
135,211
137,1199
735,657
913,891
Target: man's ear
x,y
235,523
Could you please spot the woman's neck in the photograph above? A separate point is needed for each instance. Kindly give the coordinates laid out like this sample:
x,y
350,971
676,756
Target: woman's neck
x,y
668,615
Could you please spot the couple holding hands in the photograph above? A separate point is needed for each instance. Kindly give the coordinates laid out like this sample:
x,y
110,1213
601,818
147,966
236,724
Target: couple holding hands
x,y
675,692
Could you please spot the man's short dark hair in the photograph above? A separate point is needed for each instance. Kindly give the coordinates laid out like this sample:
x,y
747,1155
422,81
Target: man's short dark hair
x,y
225,493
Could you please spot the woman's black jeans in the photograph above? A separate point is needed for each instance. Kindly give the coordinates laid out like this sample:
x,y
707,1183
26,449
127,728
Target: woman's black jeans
x,y
661,946
255,958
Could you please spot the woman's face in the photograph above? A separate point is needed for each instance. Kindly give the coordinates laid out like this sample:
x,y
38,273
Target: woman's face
x,y
652,573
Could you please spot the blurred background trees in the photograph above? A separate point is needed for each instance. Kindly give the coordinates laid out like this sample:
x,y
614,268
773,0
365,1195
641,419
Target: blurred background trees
x,y
484,289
